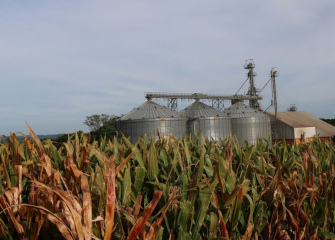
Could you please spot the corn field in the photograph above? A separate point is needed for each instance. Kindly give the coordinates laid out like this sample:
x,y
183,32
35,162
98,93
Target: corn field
x,y
165,189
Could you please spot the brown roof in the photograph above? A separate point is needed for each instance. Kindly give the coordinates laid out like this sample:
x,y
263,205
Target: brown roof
x,y
304,119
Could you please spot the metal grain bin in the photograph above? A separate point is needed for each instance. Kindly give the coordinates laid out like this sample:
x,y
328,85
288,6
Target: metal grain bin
x,y
149,117
248,124
211,122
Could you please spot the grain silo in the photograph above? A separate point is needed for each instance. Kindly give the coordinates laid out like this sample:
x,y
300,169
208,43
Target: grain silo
x,y
211,122
147,119
248,124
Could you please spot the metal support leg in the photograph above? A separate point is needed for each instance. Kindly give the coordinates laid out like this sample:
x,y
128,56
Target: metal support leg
x,y
218,104
172,104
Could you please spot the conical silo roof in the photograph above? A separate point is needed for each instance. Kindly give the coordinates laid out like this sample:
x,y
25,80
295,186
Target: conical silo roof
x,y
200,110
150,110
240,110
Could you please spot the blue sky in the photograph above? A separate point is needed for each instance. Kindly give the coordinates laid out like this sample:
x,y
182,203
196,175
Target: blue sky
x,y
61,61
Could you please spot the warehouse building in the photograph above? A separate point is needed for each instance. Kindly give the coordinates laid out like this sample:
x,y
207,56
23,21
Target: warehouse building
x,y
297,126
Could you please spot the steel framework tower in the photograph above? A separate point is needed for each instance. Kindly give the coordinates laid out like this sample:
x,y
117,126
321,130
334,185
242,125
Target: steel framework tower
x,y
273,75
252,91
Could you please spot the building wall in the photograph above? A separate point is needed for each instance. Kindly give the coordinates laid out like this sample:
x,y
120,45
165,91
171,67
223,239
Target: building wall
x,y
308,132
281,130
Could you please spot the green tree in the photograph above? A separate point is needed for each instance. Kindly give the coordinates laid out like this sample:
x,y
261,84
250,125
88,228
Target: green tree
x,y
330,121
101,125
95,121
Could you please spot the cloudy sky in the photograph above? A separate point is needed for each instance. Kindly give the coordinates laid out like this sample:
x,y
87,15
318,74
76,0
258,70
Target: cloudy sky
x,y
61,61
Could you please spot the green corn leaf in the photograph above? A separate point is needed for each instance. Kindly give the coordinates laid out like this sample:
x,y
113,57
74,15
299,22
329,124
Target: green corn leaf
x,y
144,146
187,153
184,214
325,234
139,178
236,208
204,200
183,186
161,185
152,162
209,171
126,187
183,235
135,150
213,225
116,149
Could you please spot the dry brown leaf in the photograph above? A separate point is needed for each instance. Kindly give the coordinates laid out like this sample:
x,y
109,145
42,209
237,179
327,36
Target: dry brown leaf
x,y
111,196
71,208
300,234
155,227
47,166
55,219
140,223
98,219
87,207
138,204
123,163
75,171
248,232
314,234
12,195
35,139
18,170
293,221
10,214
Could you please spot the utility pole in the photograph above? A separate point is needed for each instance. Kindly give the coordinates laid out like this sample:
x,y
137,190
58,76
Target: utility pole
x,y
273,75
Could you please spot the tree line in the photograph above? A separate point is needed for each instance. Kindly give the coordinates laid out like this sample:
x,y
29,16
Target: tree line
x,y
330,121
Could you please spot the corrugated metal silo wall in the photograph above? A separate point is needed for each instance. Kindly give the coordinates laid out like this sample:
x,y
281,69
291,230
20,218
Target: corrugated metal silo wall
x,y
212,127
250,129
135,129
